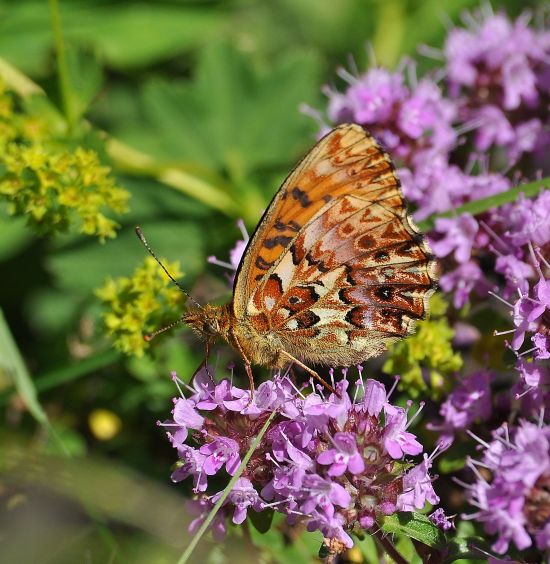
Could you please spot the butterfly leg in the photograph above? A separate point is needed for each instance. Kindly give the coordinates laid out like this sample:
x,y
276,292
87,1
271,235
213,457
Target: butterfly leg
x,y
247,367
206,357
309,371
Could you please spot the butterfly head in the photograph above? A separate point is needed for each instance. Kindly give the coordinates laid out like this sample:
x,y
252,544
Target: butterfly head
x,y
210,322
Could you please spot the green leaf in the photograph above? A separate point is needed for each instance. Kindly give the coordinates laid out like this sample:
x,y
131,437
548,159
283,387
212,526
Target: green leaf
x,y
83,265
13,366
368,549
126,34
416,526
15,236
86,78
465,549
261,521
228,125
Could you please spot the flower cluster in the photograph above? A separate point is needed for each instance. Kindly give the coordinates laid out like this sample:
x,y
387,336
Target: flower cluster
x,y
498,70
470,401
140,304
413,122
469,130
337,464
514,503
54,188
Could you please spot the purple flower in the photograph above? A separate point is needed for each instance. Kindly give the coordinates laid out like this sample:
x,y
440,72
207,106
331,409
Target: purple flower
x,y
191,463
373,96
458,236
515,271
494,128
221,451
374,397
397,440
439,519
426,110
526,220
463,280
408,120
343,456
509,505
332,463
526,313
533,374
477,59
242,496
470,401
323,495
202,508
417,488
186,415
542,345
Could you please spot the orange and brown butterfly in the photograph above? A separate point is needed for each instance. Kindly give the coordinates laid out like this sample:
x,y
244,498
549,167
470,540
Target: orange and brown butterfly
x,y
336,269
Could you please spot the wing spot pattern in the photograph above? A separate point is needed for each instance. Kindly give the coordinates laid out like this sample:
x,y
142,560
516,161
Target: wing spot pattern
x,y
262,264
279,240
301,197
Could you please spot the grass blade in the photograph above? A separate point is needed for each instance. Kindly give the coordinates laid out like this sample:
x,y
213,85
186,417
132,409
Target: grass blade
x,y
484,204
13,365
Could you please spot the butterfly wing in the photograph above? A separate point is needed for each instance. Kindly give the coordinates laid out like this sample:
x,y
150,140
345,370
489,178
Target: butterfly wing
x,y
336,268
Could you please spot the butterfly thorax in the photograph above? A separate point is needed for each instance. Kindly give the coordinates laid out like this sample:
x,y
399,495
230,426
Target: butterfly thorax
x,y
219,322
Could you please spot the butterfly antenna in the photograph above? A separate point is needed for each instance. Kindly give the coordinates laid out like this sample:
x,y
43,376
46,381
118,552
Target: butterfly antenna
x,y
150,336
142,238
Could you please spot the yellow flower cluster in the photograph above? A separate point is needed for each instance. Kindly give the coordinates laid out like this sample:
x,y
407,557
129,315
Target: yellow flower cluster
x,y
140,304
53,186
426,360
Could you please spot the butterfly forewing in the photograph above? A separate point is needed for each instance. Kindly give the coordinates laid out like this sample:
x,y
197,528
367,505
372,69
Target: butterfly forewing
x,y
335,264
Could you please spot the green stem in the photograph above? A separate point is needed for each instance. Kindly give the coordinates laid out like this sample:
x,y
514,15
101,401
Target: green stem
x,y
386,545
17,81
133,161
62,65
484,204
206,523
68,373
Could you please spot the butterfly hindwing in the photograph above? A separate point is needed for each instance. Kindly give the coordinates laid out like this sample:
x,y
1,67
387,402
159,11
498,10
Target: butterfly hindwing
x,y
335,261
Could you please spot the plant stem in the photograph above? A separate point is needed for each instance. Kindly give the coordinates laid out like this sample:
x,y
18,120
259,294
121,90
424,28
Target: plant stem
x,y
206,523
484,204
132,160
62,66
17,81
388,547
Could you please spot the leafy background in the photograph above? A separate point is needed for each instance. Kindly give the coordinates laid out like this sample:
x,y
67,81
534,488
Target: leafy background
x,y
195,105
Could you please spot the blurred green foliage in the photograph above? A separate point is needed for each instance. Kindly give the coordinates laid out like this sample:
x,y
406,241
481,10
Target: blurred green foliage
x,y
192,108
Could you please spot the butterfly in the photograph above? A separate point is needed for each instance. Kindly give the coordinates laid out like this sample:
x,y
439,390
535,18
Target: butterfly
x,y
335,271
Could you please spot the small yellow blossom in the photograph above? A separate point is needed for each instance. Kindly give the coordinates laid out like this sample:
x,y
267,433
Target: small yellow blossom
x,y
53,186
104,424
140,304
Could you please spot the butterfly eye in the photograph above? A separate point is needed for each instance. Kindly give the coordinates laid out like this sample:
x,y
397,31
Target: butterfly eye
x,y
210,328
